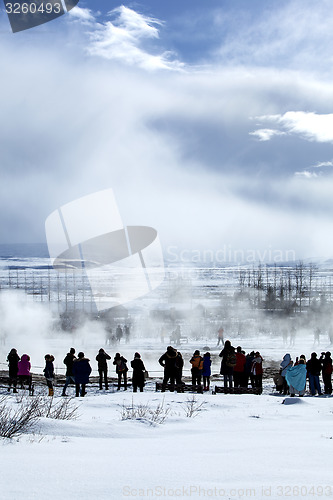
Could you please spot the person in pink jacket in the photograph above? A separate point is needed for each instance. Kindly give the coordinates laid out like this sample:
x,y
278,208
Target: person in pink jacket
x,y
24,375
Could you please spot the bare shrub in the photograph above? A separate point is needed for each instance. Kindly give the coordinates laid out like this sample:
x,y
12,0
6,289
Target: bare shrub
x,y
193,406
145,412
63,409
19,420
23,417
159,414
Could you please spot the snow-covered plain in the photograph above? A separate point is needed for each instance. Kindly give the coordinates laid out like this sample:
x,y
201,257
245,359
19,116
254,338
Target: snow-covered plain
x,y
237,446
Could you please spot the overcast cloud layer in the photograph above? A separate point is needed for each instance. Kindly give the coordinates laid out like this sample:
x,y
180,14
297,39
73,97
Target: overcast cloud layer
x,y
211,123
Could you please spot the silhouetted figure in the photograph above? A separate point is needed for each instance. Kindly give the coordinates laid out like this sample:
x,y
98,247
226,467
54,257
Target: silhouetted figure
x,y
292,336
127,333
69,361
121,370
23,374
196,370
239,368
13,358
247,370
49,372
81,370
102,358
119,333
168,361
138,377
109,337
285,364
177,335
326,362
206,371
313,367
317,333
220,339
179,363
228,363
257,371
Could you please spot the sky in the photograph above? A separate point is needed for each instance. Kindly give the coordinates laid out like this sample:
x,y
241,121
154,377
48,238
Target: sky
x,y
211,120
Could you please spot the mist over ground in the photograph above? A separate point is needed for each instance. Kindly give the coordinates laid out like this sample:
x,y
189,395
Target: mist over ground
x,y
265,317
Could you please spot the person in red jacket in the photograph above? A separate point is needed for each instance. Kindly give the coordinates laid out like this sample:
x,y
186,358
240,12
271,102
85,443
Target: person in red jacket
x,y
239,368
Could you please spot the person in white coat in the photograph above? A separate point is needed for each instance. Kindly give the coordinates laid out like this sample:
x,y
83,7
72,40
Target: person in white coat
x,y
286,363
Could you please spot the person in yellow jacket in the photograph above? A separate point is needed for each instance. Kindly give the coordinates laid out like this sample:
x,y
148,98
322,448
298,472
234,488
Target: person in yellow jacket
x,y
197,366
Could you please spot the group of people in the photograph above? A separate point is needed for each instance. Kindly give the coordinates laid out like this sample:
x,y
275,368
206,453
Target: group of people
x,y
173,363
237,368
291,378
19,370
113,338
78,370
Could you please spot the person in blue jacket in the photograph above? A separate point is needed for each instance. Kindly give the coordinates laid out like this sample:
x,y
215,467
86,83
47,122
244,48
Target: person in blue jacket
x,y
296,378
206,370
81,372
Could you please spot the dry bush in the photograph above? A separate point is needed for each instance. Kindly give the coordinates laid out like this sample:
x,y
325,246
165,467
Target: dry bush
x,y
19,420
63,409
193,407
145,412
23,418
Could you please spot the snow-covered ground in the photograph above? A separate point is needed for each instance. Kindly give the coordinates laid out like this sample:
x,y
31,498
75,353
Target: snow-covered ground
x,y
238,446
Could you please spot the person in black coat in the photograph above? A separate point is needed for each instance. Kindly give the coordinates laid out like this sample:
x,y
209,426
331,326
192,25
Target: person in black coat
x,y
138,378
326,362
49,372
179,368
13,358
247,370
102,358
69,361
313,367
228,362
121,370
169,362
81,371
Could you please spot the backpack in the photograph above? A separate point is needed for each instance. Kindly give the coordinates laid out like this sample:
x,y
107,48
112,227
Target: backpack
x,y
197,362
231,359
121,366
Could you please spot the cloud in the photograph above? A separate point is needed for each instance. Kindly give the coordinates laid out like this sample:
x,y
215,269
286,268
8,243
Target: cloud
x,y
265,134
311,173
306,174
123,39
306,125
174,146
84,15
282,34
323,164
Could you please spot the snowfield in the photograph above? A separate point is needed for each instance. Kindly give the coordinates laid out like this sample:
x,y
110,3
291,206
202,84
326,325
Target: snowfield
x,y
237,446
